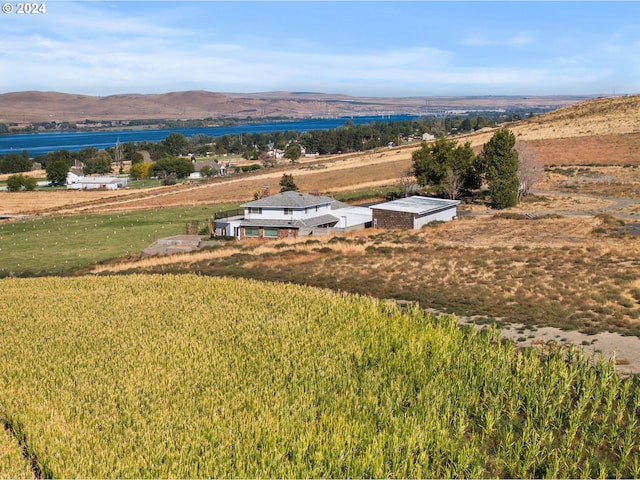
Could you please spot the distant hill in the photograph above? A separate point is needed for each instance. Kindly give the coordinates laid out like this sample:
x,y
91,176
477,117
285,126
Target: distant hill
x,y
32,107
598,116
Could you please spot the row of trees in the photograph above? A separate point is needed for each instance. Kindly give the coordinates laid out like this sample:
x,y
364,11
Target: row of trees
x,y
450,169
15,162
348,138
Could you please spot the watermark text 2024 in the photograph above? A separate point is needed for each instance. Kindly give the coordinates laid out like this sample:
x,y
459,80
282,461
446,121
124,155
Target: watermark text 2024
x,y
24,8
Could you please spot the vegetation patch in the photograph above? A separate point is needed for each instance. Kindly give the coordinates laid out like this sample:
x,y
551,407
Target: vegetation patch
x,y
189,376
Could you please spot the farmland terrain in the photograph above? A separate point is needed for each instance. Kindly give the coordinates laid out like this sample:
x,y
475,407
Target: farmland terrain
x,y
193,376
483,264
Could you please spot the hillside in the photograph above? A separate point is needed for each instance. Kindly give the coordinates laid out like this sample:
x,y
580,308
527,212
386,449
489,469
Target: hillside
x,y
31,107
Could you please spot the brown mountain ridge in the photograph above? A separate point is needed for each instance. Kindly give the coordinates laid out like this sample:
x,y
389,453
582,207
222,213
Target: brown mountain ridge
x,y
36,106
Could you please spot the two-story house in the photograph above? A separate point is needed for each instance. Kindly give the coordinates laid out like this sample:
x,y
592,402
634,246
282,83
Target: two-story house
x,y
292,214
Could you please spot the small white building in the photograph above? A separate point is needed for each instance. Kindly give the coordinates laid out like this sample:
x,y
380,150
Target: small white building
x,y
427,137
413,212
98,182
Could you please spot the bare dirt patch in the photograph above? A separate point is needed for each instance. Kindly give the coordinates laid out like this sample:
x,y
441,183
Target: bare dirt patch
x,y
610,149
34,203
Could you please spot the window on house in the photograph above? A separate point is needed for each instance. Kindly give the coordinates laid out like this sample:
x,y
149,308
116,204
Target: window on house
x,y
288,211
270,232
256,210
251,231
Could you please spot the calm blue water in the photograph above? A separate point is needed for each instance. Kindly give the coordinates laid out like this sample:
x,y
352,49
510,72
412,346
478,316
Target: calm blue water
x,y
39,143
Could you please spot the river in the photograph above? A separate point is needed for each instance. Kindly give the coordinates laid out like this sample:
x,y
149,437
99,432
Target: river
x,y
43,142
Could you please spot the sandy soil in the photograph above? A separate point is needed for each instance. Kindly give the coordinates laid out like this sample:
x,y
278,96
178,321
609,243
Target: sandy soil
x,y
624,351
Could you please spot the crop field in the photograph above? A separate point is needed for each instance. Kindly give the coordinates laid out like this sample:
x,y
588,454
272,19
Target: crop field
x,y
189,376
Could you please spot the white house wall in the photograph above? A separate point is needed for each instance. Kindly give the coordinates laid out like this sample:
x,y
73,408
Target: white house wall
x,y
443,216
269,213
352,216
228,227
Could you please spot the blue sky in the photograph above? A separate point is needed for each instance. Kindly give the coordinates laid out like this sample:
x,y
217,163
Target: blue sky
x,y
362,48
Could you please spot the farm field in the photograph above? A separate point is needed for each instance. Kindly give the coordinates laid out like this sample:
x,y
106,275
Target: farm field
x,y
54,245
189,376
157,372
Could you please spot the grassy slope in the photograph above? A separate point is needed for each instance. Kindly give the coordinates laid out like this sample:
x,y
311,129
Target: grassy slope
x,y
53,245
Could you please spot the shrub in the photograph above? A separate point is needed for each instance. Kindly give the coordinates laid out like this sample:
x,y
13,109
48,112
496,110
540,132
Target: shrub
x,y
18,182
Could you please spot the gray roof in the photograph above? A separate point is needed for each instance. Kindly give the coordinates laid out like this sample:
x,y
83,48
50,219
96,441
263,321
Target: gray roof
x,y
417,204
290,200
308,222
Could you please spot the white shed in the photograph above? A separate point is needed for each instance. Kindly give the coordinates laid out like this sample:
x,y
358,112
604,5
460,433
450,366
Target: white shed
x,y
413,212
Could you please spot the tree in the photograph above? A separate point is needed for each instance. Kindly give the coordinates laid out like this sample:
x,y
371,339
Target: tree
x,y
30,184
452,184
14,183
57,171
118,157
502,168
293,151
99,164
267,160
175,143
18,182
407,182
129,149
140,170
181,167
64,155
287,184
87,153
206,171
14,163
432,161
530,170
137,157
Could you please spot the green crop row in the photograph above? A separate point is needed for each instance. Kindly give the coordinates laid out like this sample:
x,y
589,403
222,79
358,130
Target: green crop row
x,y
188,376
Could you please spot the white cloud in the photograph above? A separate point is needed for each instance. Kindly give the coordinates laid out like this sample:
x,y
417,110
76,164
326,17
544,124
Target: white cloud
x,y
481,40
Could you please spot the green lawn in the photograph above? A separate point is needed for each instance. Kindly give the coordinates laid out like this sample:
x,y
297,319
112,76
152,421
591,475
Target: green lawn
x,y
53,245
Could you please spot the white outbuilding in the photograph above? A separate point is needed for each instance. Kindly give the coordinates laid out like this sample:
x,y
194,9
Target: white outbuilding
x,y
413,212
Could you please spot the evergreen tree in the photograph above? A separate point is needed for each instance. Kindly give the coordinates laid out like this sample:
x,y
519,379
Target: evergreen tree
x,y
287,184
501,161
436,161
